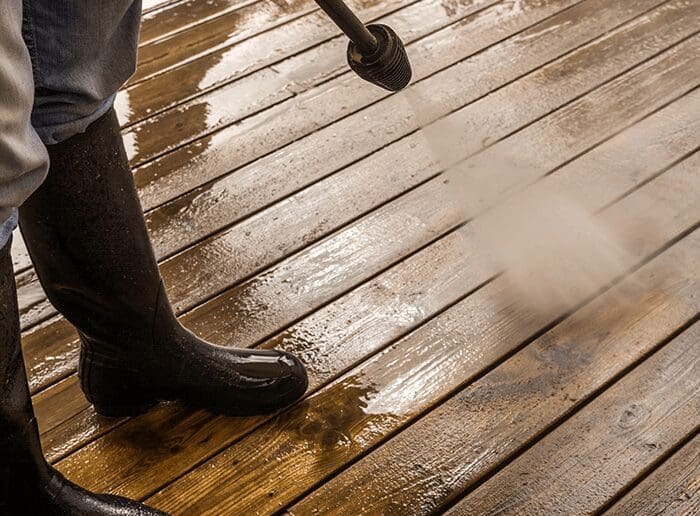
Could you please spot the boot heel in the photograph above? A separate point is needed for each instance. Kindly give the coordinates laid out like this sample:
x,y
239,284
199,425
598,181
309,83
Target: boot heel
x,y
114,389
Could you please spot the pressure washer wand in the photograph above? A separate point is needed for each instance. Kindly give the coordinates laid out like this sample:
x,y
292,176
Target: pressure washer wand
x,y
375,52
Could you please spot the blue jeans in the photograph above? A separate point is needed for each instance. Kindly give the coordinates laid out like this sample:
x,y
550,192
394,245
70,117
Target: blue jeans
x,y
61,64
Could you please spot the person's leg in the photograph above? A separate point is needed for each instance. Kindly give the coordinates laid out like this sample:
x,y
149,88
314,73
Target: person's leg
x,y
85,232
28,485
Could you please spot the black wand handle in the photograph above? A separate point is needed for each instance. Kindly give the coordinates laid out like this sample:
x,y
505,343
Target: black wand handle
x,y
375,52
350,24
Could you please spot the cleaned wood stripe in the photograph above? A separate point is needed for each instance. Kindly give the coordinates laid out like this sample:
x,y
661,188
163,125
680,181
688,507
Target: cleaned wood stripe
x,y
587,459
209,433
303,446
353,245
371,316
672,490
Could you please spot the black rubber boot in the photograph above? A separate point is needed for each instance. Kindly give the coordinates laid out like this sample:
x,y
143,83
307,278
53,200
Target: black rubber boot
x,y
28,485
86,235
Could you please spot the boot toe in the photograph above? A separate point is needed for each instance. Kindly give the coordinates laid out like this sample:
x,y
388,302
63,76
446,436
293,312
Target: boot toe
x,y
273,379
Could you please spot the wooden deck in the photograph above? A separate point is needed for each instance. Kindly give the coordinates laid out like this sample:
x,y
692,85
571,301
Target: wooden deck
x,y
292,205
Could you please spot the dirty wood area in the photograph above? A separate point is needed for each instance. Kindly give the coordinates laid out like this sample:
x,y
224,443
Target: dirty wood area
x,y
292,205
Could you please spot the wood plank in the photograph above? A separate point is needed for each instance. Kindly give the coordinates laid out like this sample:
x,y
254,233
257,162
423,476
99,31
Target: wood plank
x,y
179,16
211,42
313,440
583,463
20,256
282,283
164,179
521,53
223,107
215,34
204,434
381,124
636,155
259,135
300,40
482,121
513,58
672,490
427,465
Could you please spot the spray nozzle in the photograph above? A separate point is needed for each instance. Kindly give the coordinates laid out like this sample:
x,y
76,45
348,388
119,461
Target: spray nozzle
x,y
386,65
375,52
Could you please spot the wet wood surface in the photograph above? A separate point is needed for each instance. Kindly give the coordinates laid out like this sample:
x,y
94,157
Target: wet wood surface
x,y
293,206
672,489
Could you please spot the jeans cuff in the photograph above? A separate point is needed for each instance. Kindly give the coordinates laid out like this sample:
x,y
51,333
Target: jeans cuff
x,y
7,227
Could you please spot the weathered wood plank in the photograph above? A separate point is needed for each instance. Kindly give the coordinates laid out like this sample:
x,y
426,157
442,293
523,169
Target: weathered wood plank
x,y
215,34
298,26
300,41
189,218
183,15
204,434
221,108
484,124
636,155
273,290
164,179
583,463
672,490
253,178
169,224
303,446
428,464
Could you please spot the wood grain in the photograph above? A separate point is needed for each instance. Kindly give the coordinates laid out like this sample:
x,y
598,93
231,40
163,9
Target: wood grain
x,y
672,489
389,158
636,154
274,309
596,452
303,446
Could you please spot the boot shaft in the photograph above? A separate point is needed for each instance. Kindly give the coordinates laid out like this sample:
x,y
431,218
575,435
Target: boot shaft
x,y
85,232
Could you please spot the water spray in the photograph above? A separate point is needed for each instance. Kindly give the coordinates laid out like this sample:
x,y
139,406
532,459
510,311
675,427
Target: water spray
x,y
375,52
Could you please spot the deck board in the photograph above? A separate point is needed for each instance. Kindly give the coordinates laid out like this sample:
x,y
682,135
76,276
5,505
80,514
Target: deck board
x,y
607,444
671,490
293,206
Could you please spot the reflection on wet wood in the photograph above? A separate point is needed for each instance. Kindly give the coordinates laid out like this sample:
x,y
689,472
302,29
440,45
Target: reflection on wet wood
x,y
214,207
463,440
543,131
678,201
396,386
294,206
604,447
671,490
401,157
634,156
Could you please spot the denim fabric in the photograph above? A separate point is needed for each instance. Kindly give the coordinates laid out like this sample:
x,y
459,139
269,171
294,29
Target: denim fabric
x,y
82,52
61,64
